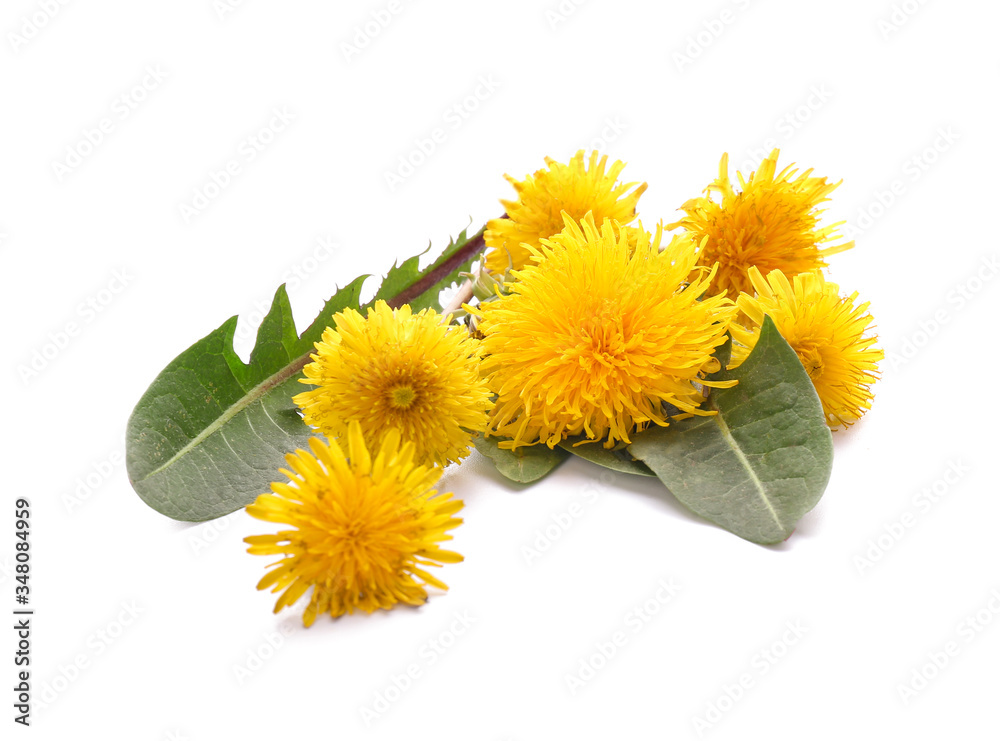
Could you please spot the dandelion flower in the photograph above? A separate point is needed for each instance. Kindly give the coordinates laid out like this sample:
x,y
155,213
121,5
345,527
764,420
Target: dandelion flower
x,y
770,223
362,531
575,188
827,332
396,369
597,337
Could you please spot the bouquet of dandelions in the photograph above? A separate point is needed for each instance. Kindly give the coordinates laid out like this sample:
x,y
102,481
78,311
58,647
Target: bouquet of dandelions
x,y
716,359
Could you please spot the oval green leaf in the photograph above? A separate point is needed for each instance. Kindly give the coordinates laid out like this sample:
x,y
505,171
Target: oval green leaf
x,y
759,464
617,460
526,464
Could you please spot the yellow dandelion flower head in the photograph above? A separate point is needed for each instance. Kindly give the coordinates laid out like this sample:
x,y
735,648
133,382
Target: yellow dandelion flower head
x,y
827,332
576,188
771,222
362,531
598,336
397,369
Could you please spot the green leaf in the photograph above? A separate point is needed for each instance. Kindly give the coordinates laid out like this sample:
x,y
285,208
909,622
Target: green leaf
x,y
524,465
616,460
763,461
211,431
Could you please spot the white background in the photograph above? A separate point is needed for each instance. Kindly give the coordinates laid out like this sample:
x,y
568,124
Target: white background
x,y
847,88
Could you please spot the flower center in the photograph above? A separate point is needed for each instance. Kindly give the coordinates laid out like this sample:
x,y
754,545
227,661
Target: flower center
x,y
401,397
811,359
605,333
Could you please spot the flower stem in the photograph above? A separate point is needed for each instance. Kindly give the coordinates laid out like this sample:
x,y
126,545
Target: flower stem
x,y
463,296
